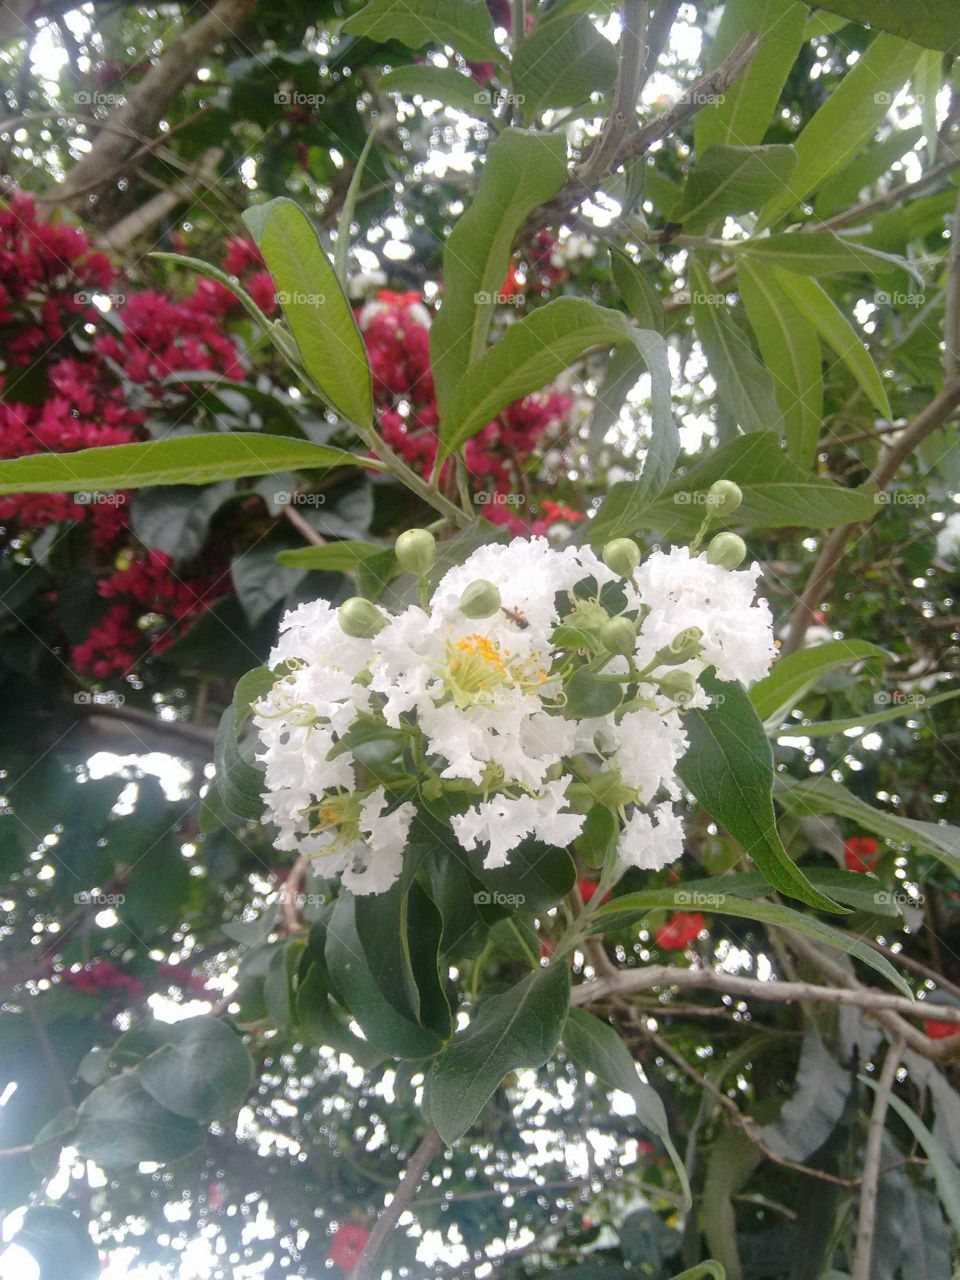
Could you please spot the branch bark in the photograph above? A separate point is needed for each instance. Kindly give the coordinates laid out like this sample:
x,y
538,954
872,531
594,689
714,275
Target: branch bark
x,y
430,1146
871,1164
154,210
634,15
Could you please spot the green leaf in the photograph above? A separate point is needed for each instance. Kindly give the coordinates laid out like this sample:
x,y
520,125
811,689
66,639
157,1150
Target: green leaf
x,y
941,1164
790,349
315,306
634,907
816,1106
818,253
776,493
927,83
522,170
586,696
743,114
837,332
636,289
596,1046
709,1270
341,249
775,696
258,582
730,180
849,887
356,987
199,459
315,1018
444,84
463,24
823,795
729,768
863,170
240,784
531,353
847,120
518,1028
935,23
203,1073
537,877
822,728
561,63
625,367
744,386
59,1243
343,557
119,1124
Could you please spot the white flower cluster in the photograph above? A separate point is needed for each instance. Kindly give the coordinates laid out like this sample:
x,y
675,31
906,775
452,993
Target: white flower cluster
x,y
478,704
948,538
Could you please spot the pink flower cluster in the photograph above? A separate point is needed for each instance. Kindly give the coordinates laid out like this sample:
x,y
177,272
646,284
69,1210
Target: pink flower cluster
x,y
101,977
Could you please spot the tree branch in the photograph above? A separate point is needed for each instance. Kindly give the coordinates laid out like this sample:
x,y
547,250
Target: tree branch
x,y
430,1146
154,210
623,111
871,1164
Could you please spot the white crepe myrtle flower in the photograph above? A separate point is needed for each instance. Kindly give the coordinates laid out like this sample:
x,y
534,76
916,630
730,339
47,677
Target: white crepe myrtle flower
x,y
652,840
503,822
683,591
647,745
948,538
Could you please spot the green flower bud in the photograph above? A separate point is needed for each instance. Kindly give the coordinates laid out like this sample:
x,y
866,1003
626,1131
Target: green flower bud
x,y
727,550
681,648
359,618
678,685
432,789
416,551
480,599
723,497
622,555
618,635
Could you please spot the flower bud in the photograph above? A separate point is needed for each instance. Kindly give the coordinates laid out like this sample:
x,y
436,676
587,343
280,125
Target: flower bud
x,y
617,635
622,555
681,648
360,619
480,599
723,497
416,551
431,789
678,685
727,550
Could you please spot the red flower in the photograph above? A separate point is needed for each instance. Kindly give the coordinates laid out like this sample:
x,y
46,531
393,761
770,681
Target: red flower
x,y
937,1030
861,854
680,930
588,888
347,1246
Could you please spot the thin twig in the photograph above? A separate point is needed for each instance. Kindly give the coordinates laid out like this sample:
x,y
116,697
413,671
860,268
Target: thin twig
x,y
623,111
430,1146
871,1164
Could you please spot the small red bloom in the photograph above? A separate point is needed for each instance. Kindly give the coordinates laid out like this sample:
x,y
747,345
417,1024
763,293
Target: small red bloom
x,y
588,888
861,854
938,1030
680,930
347,1246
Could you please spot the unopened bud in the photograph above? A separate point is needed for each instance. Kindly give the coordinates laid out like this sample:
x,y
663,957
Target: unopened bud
x,y
727,550
723,497
622,555
416,551
618,635
678,685
431,789
480,599
360,619
681,648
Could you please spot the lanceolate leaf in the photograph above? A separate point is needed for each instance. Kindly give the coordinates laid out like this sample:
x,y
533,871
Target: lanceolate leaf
x,y
536,349
822,728
743,114
837,332
179,460
819,253
518,1028
775,696
935,24
790,349
732,179
463,24
633,907
776,493
315,306
744,386
863,170
847,120
561,63
595,1045
637,291
729,768
522,170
